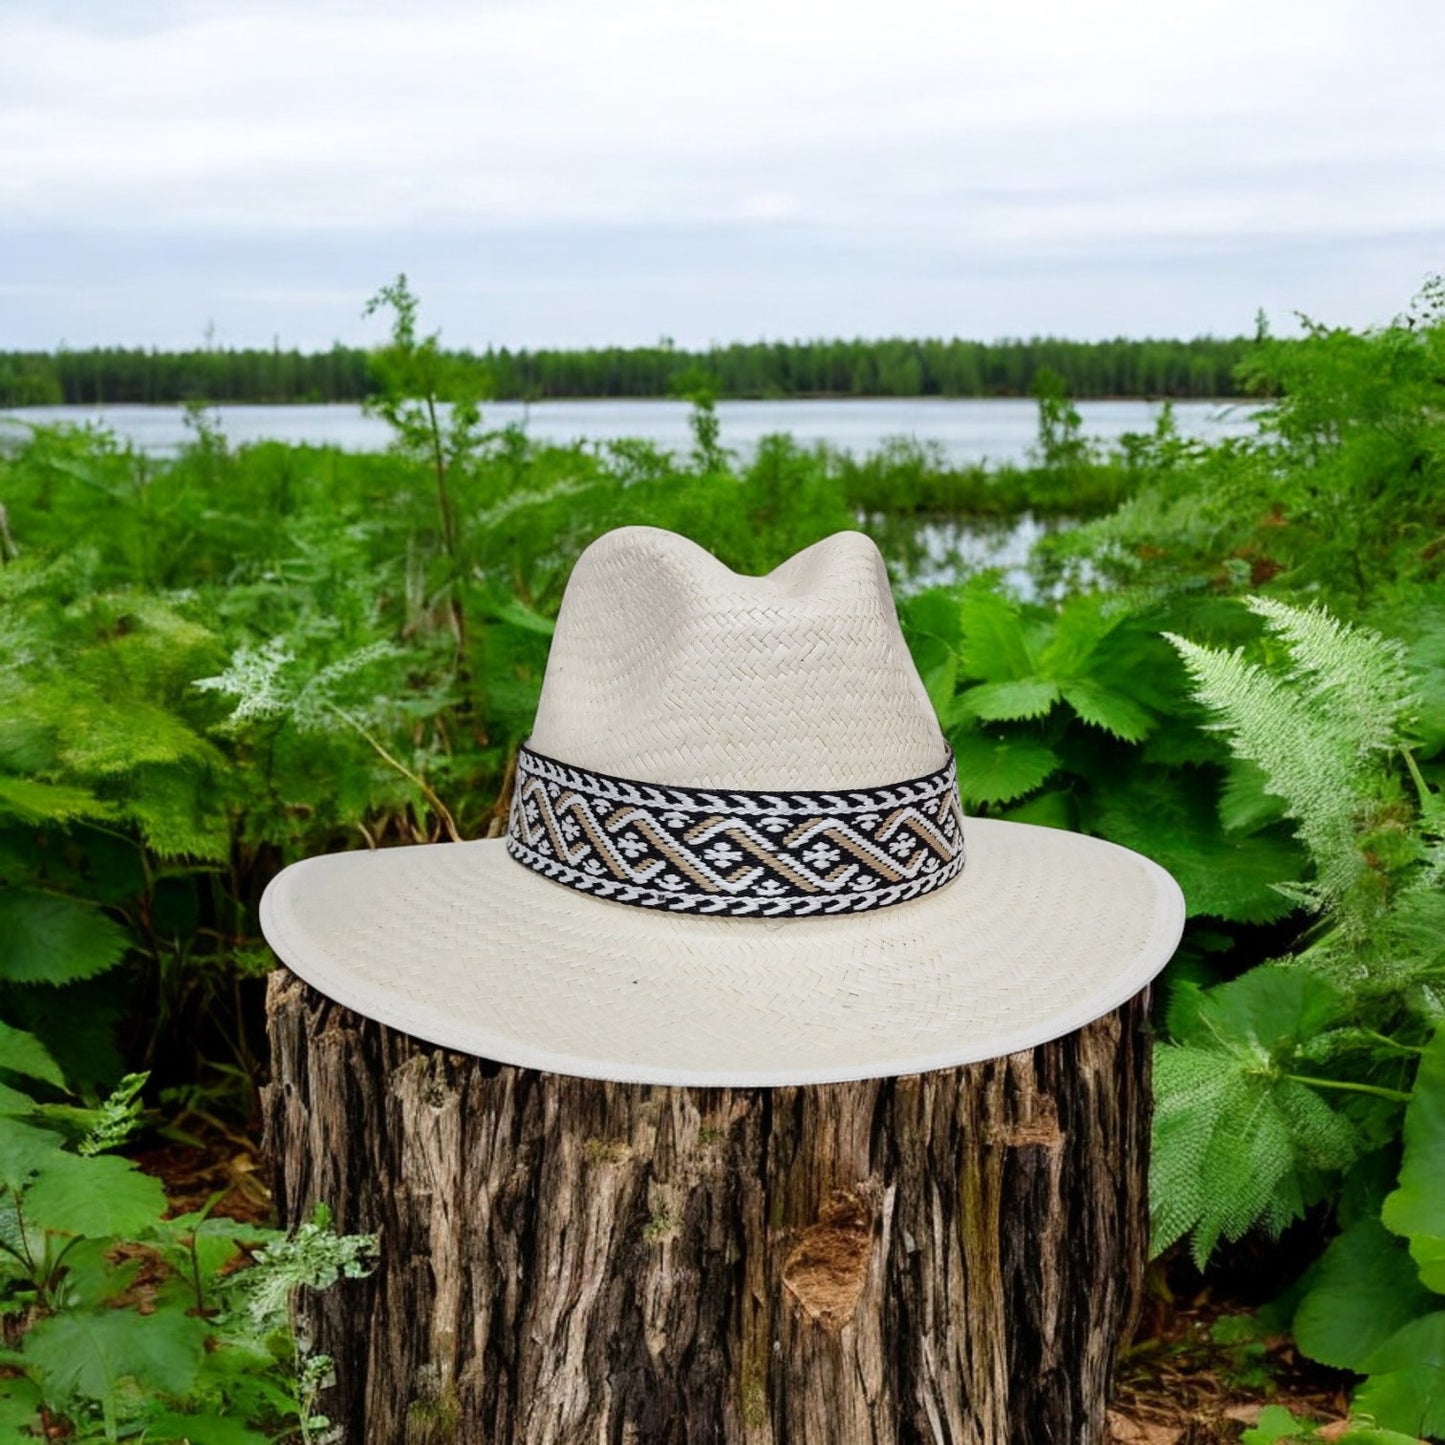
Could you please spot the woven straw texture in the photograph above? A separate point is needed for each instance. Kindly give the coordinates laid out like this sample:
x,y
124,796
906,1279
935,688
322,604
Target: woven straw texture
x,y
668,668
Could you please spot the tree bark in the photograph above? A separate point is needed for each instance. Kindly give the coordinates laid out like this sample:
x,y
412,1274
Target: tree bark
x,y
942,1257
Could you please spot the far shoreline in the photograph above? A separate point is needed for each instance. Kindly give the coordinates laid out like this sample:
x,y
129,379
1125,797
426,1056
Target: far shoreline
x,y
1112,397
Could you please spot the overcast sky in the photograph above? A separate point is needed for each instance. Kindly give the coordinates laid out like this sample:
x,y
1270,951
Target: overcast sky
x,y
597,171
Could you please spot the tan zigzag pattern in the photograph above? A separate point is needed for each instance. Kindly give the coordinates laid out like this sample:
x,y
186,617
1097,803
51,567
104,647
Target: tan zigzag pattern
x,y
713,851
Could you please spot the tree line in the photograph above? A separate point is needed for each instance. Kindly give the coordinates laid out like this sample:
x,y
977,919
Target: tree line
x,y
114,375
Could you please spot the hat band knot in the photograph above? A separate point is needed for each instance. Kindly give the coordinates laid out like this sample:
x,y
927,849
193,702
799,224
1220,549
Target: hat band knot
x,y
735,854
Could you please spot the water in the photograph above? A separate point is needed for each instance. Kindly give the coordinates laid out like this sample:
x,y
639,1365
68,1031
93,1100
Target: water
x,y
942,551
972,429
935,551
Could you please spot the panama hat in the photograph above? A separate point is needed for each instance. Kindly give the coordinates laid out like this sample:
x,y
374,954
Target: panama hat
x,y
735,856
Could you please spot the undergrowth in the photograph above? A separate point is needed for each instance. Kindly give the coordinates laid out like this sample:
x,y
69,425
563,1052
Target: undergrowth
x,y
125,1321
214,665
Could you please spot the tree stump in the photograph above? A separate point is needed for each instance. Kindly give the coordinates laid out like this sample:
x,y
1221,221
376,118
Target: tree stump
x,y
942,1257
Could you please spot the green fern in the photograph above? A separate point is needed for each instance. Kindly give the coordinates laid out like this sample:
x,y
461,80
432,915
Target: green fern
x,y
1275,1082
1240,1137
312,1257
1316,727
116,1118
267,685
1353,674
205,1351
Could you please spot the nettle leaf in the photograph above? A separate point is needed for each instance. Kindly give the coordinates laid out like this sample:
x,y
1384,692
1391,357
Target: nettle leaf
x,y
1178,742
1048,810
998,770
23,1053
1322,1138
20,1403
1103,707
78,1024
24,1150
1083,623
1246,804
12,1101
1108,667
1138,660
1415,939
1235,1145
215,1241
1181,1016
50,938
96,1272
88,1354
102,1197
931,613
1250,1154
1276,1426
1027,697
1345,1042
1157,813
993,640
937,665
1364,1289
203,1430
1270,1009
107,870
1417,1208
239,1369
1190,1088
1406,1388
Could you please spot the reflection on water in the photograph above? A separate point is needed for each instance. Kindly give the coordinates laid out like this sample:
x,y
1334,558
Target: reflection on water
x,y
965,430
940,551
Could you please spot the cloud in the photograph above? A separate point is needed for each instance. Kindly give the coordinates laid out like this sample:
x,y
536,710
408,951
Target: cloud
x,y
944,138
576,285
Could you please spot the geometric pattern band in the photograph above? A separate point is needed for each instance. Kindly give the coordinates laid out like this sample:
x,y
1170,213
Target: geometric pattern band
x,y
725,853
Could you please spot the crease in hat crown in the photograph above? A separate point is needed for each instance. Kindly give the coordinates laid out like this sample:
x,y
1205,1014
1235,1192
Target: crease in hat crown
x,y
668,667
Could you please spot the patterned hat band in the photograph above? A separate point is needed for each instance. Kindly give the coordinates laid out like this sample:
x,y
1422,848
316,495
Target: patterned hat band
x,y
736,854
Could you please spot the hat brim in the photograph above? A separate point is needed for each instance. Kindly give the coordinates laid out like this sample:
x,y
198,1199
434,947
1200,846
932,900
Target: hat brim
x,y
459,945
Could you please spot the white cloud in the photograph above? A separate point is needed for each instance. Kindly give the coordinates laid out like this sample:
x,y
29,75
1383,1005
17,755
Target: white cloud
x,y
330,114
1049,127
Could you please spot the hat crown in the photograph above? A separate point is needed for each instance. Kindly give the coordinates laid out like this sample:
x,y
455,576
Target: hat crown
x,y
667,667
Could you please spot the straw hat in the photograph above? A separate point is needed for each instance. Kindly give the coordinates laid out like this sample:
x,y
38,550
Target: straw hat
x,y
735,857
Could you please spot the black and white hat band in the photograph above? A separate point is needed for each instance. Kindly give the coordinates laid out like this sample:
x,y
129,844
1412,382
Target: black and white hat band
x,y
731,853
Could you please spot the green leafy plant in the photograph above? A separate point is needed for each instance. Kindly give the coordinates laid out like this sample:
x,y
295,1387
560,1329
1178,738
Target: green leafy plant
x,y
1297,1082
127,1323
1077,715
1317,728
218,661
1339,493
1279,1426
1061,446
112,801
432,402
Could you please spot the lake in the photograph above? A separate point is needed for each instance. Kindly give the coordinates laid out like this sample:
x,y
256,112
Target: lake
x,y
970,429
